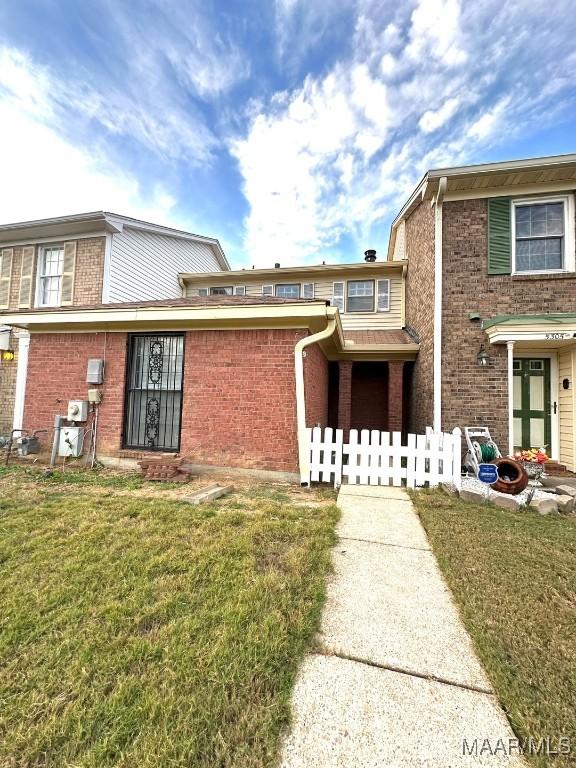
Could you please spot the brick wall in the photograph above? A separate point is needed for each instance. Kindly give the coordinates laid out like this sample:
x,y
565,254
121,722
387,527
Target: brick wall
x,y
420,313
89,270
88,278
316,386
57,373
239,405
471,395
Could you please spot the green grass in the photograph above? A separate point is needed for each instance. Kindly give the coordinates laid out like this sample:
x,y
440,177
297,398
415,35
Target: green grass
x,y
141,631
513,575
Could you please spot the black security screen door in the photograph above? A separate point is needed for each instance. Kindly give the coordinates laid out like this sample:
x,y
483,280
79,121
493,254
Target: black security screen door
x,y
154,392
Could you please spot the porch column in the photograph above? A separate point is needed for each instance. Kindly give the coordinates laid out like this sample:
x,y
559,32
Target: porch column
x,y
395,395
510,347
345,395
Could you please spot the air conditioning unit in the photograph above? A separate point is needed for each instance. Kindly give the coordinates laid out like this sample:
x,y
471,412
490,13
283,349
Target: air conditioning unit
x,y
71,441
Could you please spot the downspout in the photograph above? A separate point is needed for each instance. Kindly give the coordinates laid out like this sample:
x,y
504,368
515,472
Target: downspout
x,y
437,365
303,448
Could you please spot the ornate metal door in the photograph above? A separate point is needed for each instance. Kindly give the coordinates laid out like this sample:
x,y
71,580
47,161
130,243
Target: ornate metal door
x,y
153,404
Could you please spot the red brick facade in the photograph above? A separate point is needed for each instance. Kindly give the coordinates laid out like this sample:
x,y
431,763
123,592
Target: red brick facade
x,y
239,405
316,386
471,395
420,313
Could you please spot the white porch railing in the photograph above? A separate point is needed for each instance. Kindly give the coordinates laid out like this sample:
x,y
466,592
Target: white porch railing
x,y
381,458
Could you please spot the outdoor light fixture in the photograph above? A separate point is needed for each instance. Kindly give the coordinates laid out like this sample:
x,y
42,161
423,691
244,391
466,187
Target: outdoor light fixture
x,y
7,354
482,358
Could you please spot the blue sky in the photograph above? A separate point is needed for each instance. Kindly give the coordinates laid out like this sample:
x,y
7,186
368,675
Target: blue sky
x,y
292,130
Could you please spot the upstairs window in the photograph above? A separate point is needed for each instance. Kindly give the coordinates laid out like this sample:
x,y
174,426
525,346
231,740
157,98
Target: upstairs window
x,y
50,269
360,296
288,291
221,291
540,230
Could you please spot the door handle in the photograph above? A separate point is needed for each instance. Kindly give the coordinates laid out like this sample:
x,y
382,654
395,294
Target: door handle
x,y
555,407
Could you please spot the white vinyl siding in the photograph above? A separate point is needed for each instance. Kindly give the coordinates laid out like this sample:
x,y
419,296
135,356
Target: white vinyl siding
x,y
324,290
144,266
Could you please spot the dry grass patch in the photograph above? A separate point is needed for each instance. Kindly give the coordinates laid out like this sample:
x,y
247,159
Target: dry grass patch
x,y
142,631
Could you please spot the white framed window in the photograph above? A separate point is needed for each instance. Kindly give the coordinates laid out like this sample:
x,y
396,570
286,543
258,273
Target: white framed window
x,y
360,296
307,290
50,270
543,235
221,290
202,291
267,290
287,290
383,301
239,290
338,296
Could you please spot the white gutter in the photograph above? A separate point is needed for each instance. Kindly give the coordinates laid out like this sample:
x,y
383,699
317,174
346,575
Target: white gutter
x,y
437,366
303,446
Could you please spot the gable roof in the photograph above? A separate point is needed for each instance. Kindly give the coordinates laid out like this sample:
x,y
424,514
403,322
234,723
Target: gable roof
x,y
97,222
522,177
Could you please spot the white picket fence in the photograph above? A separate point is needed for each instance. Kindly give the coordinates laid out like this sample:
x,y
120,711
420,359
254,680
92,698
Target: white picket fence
x,y
381,458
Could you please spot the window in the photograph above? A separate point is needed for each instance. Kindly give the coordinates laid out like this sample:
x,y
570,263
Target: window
x,y
288,291
383,304
239,290
308,290
221,291
154,392
267,290
50,267
542,235
338,296
360,296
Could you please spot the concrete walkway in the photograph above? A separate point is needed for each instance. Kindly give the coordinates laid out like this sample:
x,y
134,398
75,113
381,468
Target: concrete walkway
x,y
395,681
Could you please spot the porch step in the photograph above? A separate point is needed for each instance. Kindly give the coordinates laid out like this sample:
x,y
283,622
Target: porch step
x,y
556,469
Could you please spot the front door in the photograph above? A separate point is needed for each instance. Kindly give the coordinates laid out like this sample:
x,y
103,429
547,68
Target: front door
x,y
532,420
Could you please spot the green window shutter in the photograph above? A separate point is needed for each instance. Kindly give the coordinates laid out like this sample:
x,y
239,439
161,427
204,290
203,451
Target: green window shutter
x,y
499,236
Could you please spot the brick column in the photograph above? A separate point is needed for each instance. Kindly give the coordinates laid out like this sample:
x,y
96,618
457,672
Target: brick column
x,y
345,395
395,395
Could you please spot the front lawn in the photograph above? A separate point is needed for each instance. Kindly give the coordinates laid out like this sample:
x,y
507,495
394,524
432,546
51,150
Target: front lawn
x,y
513,575
138,630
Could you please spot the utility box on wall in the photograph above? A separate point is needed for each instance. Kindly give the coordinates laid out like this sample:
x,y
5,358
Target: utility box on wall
x,y
77,410
71,441
95,371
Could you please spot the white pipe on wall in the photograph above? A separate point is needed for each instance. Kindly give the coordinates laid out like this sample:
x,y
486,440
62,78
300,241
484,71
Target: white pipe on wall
x,y
510,347
437,364
303,447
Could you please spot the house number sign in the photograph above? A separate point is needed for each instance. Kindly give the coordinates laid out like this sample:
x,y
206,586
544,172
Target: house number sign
x,y
558,336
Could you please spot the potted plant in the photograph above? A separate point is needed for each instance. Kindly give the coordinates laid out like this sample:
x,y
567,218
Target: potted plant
x,y
533,461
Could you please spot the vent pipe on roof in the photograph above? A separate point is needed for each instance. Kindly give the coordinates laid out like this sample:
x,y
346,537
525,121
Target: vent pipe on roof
x,y
370,256
277,265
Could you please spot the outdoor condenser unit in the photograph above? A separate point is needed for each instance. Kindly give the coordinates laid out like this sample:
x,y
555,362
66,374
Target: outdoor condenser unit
x,y
71,441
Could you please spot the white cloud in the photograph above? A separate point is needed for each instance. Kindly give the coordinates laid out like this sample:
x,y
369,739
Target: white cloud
x,y
436,32
421,87
47,176
432,119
